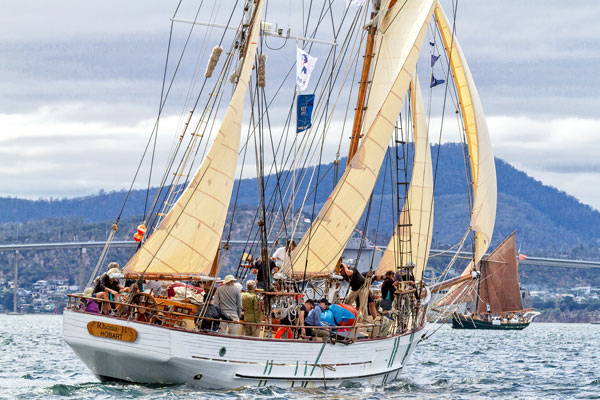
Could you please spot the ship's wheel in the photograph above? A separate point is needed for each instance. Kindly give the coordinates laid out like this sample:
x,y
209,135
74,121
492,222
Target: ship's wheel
x,y
148,307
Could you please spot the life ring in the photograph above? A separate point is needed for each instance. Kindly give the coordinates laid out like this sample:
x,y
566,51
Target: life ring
x,y
427,298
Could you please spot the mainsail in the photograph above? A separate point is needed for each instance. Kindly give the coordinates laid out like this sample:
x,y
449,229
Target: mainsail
x,y
499,281
188,238
415,223
402,33
497,285
483,170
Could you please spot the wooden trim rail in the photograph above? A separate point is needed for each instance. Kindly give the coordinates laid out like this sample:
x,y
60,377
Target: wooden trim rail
x,y
71,305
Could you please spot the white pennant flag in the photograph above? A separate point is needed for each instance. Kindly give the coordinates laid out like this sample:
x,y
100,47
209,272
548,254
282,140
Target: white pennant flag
x,y
355,3
305,64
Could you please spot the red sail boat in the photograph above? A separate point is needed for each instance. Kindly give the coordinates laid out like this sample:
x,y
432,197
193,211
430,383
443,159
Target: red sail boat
x,y
493,301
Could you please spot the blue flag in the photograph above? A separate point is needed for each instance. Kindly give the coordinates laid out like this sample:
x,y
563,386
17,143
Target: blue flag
x,y
304,109
434,59
435,82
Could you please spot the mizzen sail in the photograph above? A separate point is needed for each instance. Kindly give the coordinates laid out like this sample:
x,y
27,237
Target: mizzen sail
x,y
483,170
415,223
401,35
188,238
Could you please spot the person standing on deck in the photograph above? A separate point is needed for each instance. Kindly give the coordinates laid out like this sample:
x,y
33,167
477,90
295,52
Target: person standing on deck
x,y
283,253
251,307
264,271
387,291
356,281
229,299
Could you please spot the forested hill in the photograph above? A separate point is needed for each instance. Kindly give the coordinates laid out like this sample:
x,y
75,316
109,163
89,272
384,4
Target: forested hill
x,y
545,216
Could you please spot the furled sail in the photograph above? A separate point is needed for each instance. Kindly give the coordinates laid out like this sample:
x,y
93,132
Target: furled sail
x,y
415,223
499,281
483,170
401,35
188,238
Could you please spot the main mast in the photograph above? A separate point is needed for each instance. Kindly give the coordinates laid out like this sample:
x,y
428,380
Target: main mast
x,y
363,84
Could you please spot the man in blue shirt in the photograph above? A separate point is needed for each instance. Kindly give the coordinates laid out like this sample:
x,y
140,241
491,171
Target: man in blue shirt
x,y
314,319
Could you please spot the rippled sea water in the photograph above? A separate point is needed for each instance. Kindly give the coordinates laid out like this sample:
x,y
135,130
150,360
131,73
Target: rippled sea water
x,y
549,361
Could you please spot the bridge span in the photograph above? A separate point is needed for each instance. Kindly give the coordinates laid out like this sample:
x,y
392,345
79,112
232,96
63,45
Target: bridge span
x,y
351,250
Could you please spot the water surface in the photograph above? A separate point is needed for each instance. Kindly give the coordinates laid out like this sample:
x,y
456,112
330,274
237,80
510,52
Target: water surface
x,y
550,361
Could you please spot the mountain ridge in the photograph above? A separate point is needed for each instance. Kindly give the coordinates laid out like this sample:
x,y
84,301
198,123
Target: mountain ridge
x,y
545,216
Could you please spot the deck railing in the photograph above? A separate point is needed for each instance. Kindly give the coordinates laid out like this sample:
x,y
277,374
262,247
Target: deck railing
x,y
167,314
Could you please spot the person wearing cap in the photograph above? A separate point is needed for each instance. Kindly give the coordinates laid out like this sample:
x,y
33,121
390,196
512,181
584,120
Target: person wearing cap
x,y
106,286
229,299
251,307
314,319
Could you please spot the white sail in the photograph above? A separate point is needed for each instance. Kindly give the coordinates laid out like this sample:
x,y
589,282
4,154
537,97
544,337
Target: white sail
x,y
411,240
483,169
188,238
401,35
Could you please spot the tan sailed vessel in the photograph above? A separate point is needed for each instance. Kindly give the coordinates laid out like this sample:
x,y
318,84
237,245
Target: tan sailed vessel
x,y
149,337
493,300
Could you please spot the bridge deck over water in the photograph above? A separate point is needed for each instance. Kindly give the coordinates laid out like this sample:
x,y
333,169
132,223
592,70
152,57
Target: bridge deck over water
x,y
532,261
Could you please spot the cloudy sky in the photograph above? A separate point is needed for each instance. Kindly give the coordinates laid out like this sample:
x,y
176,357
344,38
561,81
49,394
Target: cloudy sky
x,y
80,87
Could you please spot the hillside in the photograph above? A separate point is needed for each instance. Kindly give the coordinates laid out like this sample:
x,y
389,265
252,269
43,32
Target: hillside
x,y
546,218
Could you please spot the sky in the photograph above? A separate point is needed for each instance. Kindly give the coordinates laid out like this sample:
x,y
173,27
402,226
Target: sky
x,y
80,86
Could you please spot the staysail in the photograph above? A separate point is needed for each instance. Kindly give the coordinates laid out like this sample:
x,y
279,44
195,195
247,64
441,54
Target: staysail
x,y
465,292
402,33
499,282
188,238
483,170
415,223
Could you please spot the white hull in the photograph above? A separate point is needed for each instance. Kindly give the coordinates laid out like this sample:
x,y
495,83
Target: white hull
x,y
165,355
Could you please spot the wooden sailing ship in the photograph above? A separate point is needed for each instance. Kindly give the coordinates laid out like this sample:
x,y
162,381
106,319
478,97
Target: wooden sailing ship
x,y
493,300
151,338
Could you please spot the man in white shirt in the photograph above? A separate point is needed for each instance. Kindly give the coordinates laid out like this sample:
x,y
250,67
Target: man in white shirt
x,y
283,253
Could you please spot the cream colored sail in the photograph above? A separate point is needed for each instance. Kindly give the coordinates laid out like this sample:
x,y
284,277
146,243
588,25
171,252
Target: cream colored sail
x,y
483,170
188,238
397,50
411,240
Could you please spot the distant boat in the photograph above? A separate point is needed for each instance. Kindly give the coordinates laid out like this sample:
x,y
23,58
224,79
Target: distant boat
x,y
495,297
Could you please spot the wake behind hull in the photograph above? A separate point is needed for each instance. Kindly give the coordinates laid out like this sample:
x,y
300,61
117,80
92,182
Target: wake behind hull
x,y
173,356
461,322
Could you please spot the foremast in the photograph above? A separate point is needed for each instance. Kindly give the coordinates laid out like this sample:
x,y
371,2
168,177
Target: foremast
x,y
188,238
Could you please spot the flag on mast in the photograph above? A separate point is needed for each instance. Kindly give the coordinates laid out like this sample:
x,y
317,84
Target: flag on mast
x,y
305,63
304,109
435,82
